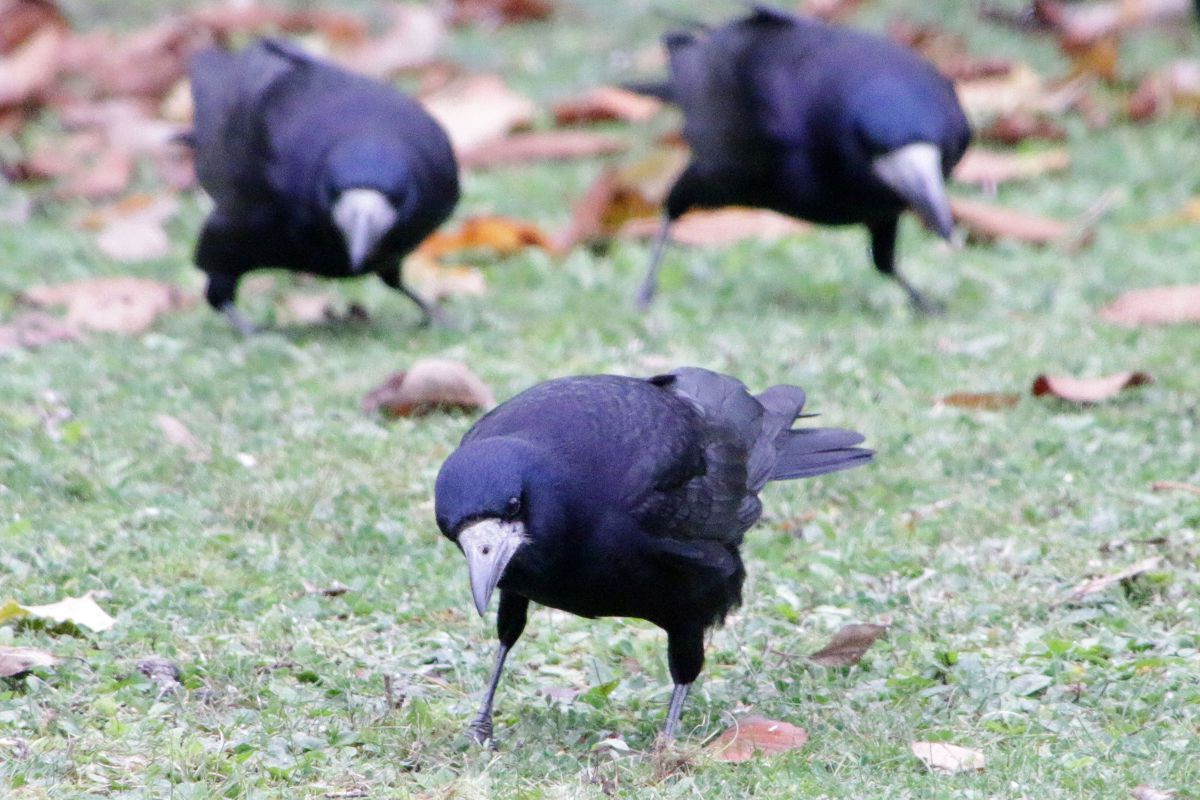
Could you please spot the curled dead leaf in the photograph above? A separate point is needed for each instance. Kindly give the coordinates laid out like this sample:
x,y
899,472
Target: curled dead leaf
x,y
1163,305
120,304
993,167
523,148
607,104
980,401
949,759
1087,390
1106,582
848,645
16,661
82,611
757,736
478,109
431,384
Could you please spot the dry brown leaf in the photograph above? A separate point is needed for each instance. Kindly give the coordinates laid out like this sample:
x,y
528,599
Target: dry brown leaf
x,y
987,221
1079,24
81,611
1087,390
1019,89
175,432
980,401
721,227
412,40
1106,582
21,19
1022,126
496,12
523,148
848,645
993,167
431,384
1174,486
132,229
502,236
757,736
16,661
436,281
478,109
31,67
1144,791
109,175
1162,305
120,304
947,51
607,104
1175,87
949,759
35,329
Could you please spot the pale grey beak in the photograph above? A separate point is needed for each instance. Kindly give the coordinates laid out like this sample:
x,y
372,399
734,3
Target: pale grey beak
x,y
915,173
363,216
489,545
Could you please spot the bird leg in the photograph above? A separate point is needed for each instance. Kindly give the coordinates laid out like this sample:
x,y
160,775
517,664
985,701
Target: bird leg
x,y
480,728
431,311
239,322
675,710
883,253
645,295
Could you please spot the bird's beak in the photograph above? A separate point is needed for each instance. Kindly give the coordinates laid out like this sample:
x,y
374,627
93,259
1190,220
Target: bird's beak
x,y
363,216
489,545
915,173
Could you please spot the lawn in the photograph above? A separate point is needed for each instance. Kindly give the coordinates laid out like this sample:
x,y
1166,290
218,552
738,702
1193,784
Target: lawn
x,y
963,535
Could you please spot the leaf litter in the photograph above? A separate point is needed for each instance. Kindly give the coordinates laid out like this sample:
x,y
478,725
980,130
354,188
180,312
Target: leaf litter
x,y
848,645
754,737
429,385
83,611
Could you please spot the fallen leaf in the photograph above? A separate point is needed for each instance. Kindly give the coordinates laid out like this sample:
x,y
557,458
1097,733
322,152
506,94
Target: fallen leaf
x,y
721,227
987,221
501,236
1022,126
848,645
757,736
479,109
16,661
949,759
164,673
1106,582
109,175
607,104
436,281
831,10
522,148
176,433
120,304
412,40
431,384
35,329
495,12
1175,87
1144,791
22,19
1087,390
30,68
1019,89
1163,305
81,611
993,167
1174,486
132,229
947,51
980,401
336,590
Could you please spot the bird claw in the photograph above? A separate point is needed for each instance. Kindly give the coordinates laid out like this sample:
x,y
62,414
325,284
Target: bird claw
x,y
480,731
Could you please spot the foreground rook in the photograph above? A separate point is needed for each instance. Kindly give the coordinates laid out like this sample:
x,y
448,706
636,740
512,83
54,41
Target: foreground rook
x,y
614,496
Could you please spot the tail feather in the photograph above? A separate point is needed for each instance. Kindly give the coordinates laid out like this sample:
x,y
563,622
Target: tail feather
x,y
803,453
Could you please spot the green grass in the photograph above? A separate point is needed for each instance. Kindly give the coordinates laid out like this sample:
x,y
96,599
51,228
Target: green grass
x,y
203,563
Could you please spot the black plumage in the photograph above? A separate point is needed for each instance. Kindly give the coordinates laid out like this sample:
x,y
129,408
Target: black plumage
x,y
312,168
615,496
815,121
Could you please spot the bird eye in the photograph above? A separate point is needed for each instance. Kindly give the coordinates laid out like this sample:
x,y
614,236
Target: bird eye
x,y
513,507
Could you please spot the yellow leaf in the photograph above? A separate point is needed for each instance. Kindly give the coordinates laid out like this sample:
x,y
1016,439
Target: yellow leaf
x,y
82,611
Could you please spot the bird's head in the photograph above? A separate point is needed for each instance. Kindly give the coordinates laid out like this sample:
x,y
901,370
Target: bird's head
x,y
912,143
368,190
492,498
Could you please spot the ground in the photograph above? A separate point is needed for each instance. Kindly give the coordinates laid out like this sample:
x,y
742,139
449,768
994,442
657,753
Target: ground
x,y
963,534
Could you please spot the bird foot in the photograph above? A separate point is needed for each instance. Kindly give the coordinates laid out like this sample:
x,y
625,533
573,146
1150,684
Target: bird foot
x,y
480,731
644,299
926,307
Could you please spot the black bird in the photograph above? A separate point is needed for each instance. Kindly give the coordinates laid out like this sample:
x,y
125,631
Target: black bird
x,y
312,168
613,496
815,121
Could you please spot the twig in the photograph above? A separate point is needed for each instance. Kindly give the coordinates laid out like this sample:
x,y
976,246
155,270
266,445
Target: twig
x,y
1174,486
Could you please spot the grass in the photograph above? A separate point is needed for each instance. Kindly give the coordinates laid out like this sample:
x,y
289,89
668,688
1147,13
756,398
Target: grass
x,y
203,563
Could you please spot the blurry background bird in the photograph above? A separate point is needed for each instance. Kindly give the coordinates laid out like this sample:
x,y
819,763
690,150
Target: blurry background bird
x,y
815,121
614,496
312,168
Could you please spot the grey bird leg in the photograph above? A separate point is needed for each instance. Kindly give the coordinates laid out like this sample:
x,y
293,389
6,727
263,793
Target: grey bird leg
x,y
431,312
675,710
239,322
480,728
883,253
645,295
